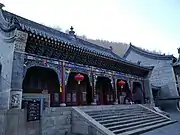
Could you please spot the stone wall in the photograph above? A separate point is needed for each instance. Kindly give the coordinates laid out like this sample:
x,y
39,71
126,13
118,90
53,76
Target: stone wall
x,y
2,121
14,122
162,74
79,126
83,124
56,121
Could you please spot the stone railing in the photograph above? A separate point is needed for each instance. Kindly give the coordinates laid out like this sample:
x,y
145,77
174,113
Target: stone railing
x,y
178,105
84,124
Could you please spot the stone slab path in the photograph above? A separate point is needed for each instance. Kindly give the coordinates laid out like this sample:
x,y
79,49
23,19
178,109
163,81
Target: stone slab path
x,y
173,129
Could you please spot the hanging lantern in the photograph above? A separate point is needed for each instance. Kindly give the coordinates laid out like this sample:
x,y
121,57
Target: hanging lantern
x,y
79,78
121,83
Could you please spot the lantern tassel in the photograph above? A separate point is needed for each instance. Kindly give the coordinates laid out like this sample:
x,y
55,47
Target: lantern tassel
x,y
79,82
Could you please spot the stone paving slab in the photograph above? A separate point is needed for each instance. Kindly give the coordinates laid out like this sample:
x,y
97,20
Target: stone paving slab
x,y
173,129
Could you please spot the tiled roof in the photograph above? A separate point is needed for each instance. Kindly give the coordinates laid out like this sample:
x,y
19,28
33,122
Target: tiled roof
x,y
47,32
147,54
50,33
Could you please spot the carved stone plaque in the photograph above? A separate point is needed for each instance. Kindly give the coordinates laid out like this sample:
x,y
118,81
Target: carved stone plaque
x,y
74,97
68,97
56,97
16,98
33,110
84,96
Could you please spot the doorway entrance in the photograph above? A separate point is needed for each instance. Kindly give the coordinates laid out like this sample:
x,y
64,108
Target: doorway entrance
x,y
138,95
39,79
78,94
104,91
123,93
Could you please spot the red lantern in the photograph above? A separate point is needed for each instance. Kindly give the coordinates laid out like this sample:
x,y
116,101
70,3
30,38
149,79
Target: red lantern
x,y
121,83
79,78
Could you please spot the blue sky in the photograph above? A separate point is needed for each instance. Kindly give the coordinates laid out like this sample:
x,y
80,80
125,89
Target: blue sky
x,y
151,24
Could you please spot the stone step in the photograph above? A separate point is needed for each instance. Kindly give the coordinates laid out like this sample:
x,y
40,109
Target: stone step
x,y
114,108
92,113
132,116
113,116
118,114
131,120
126,121
118,131
146,129
128,124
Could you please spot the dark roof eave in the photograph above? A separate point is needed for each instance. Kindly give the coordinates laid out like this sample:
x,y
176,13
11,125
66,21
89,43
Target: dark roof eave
x,y
121,61
148,54
117,59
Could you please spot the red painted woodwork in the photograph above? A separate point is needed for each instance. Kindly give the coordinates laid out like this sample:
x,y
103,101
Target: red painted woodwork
x,y
79,78
77,93
62,94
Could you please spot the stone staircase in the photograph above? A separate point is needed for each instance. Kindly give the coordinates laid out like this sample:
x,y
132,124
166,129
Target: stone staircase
x,y
128,120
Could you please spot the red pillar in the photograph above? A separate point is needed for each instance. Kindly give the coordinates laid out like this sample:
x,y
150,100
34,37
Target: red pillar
x,y
93,88
115,90
143,89
63,92
131,88
92,76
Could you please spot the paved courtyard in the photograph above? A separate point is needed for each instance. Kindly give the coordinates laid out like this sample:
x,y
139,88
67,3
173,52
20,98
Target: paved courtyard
x,y
173,129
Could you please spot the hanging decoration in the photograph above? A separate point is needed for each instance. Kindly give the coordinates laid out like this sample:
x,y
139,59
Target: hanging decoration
x,y
60,88
121,83
79,78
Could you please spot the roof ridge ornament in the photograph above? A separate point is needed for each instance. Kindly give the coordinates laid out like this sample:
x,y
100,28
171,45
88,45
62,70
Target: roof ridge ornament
x,y
130,44
1,6
3,22
111,48
71,32
178,50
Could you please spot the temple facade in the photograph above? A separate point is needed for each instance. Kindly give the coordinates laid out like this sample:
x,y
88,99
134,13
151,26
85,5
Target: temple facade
x,y
163,78
38,62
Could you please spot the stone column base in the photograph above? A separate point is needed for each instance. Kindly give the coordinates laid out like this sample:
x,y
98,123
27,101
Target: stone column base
x,y
94,102
63,104
116,102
